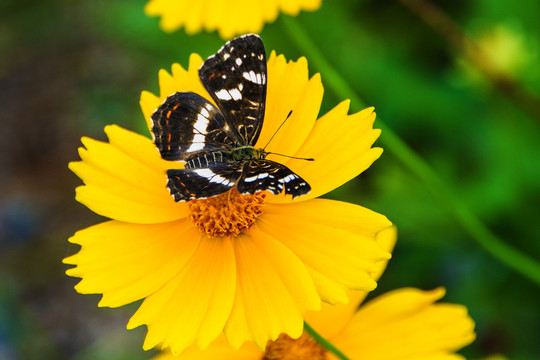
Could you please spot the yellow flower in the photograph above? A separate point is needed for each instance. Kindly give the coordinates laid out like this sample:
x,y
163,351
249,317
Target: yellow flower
x,y
246,265
229,18
404,324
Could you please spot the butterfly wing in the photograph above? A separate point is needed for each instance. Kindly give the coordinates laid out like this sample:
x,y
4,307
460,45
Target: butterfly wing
x,y
235,77
189,184
259,175
186,124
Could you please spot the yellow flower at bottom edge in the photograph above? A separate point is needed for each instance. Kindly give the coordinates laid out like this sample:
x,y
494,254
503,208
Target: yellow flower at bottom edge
x,y
274,258
228,17
404,324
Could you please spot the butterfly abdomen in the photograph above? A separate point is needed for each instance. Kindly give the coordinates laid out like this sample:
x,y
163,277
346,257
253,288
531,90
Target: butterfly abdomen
x,y
239,154
205,160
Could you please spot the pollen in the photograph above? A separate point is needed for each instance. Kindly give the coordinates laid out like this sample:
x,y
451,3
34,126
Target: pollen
x,y
227,214
286,348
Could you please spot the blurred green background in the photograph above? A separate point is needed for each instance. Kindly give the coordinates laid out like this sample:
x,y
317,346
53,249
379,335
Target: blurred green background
x,y
68,68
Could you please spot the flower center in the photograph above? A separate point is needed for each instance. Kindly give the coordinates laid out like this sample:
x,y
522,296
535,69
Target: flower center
x,y
227,214
303,348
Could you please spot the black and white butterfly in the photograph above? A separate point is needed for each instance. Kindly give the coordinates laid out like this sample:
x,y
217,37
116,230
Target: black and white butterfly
x,y
217,143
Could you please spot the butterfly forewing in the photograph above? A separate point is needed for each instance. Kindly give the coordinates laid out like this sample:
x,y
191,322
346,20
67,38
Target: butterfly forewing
x,y
186,124
189,184
235,77
259,175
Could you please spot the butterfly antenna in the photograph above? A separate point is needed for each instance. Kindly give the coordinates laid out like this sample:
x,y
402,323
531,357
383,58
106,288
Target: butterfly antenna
x,y
291,157
287,118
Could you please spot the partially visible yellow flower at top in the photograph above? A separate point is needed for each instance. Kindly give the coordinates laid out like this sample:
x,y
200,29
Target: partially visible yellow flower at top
x,y
228,17
404,324
248,266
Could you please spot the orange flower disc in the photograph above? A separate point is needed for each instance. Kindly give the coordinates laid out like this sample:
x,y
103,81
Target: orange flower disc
x,y
286,348
227,214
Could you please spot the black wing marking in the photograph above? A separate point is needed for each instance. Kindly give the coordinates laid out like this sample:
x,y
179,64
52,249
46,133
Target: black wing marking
x,y
235,77
259,175
186,124
189,184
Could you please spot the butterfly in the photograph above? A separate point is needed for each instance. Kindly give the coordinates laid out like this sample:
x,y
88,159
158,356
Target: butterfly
x,y
217,143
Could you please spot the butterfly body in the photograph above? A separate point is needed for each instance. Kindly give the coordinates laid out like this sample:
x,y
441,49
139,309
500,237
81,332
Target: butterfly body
x,y
218,143
239,154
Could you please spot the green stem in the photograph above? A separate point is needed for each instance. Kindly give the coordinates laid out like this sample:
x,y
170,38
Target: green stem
x,y
323,342
508,255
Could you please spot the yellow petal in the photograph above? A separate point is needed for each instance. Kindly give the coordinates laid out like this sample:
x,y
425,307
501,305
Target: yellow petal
x,y
195,12
289,88
195,305
293,7
173,19
333,318
274,289
189,80
127,262
406,324
179,79
149,102
332,238
341,146
125,179
330,290
386,238
245,18
220,349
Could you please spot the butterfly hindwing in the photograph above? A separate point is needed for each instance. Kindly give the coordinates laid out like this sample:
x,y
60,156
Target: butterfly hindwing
x,y
235,77
259,175
187,124
189,184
